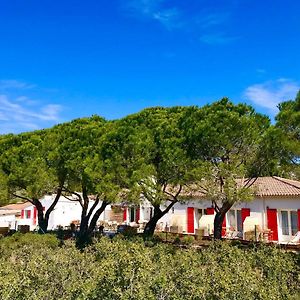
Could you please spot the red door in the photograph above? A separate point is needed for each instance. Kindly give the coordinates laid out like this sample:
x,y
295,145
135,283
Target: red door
x,y
137,214
272,223
190,220
125,214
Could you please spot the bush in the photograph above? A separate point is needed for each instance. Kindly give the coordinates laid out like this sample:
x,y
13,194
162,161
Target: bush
x,y
188,240
34,267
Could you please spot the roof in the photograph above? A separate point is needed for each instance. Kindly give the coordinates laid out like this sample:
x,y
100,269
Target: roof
x,y
272,186
276,186
16,206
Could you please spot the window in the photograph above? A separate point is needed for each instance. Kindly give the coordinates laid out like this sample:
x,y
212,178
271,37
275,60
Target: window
x,y
234,217
239,220
289,222
201,212
294,222
132,214
285,222
27,214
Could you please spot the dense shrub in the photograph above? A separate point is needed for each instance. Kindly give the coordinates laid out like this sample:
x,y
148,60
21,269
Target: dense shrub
x,y
35,267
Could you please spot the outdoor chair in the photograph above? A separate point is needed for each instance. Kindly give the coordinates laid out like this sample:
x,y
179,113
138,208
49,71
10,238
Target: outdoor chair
x,y
295,239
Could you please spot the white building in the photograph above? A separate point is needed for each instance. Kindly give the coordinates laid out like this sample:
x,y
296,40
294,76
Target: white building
x,y
275,211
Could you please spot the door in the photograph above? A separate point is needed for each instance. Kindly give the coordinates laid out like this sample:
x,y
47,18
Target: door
x,y
272,223
190,220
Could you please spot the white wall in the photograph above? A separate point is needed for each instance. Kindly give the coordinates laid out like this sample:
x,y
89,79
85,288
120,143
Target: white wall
x,y
258,208
8,221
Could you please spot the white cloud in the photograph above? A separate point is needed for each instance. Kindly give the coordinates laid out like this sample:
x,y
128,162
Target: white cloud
x,y
213,19
269,94
169,17
20,113
207,24
14,84
216,39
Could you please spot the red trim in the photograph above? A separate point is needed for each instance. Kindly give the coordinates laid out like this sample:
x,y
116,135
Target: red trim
x,y
210,211
125,214
190,220
34,215
137,214
22,214
29,214
299,219
272,223
245,213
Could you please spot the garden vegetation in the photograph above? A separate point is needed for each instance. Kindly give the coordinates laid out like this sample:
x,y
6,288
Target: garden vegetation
x,y
37,267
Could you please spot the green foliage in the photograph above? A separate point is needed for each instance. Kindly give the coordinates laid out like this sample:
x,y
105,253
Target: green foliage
x,y
188,240
122,269
23,166
288,120
30,241
224,139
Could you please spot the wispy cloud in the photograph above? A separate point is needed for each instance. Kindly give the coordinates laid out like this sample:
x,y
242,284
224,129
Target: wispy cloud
x,y
206,24
269,94
155,10
213,19
15,84
22,113
217,38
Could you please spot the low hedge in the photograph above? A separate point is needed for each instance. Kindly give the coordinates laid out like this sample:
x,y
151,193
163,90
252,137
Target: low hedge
x,y
36,267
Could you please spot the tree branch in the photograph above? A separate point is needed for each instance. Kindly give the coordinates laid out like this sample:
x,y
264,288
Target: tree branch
x,y
50,209
23,198
93,207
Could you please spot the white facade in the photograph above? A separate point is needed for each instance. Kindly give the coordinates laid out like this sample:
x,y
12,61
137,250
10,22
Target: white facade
x,y
278,216
287,212
64,213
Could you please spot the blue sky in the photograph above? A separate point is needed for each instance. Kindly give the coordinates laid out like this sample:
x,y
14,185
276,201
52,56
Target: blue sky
x,y
65,59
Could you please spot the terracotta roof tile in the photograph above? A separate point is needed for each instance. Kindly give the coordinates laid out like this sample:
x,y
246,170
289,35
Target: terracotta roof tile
x,y
263,187
277,186
16,206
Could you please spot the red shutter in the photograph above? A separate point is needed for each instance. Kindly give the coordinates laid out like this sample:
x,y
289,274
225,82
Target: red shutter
x,y
22,213
190,220
34,215
28,214
245,214
44,208
224,226
137,214
299,219
125,214
272,222
210,211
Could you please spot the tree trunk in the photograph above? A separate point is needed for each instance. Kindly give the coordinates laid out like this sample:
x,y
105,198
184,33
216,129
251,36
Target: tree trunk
x,y
158,214
219,218
218,226
151,225
83,238
42,222
97,215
